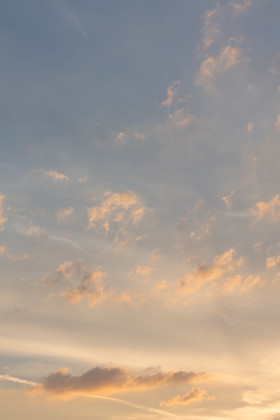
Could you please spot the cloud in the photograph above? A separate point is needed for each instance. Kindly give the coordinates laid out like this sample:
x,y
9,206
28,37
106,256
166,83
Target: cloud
x,y
211,26
194,395
56,176
144,269
240,5
222,264
227,199
122,136
118,209
86,283
269,210
110,380
250,126
272,261
83,180
172,91
181,118
64,213
277,124
3,219
228,57
2,250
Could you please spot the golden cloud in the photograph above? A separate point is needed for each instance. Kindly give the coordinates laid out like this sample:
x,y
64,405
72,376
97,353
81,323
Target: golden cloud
x,y
193,396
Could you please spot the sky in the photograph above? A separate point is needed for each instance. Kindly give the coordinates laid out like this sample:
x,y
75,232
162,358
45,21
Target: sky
x,y
140,209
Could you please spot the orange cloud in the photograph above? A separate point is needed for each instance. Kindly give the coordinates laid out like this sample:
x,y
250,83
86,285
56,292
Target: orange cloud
x,y
223,264
120,209
229,56
172,91
56,176
103,380
193,396
269,210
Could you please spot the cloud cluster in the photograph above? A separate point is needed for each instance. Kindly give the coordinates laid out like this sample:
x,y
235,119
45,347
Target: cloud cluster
x,y
87,283
110,380
193,396
118,209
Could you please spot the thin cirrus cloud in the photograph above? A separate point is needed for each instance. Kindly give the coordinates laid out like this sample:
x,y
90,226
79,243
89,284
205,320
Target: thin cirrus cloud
x,y
110,380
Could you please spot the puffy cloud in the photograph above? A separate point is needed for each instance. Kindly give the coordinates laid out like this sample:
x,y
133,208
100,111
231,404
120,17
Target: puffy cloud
x,y
56,176
269,210
88,283
64,213
277,124
91,286
172,91
228,57
120,209
223,264
3,219
109,380
194,395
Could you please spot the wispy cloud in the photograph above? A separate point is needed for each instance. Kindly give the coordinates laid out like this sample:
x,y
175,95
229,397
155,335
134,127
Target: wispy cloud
x,y
172,91
228,57
193,396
